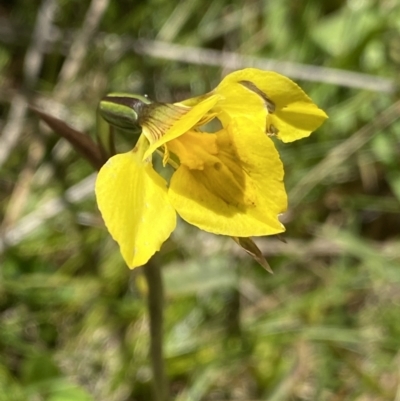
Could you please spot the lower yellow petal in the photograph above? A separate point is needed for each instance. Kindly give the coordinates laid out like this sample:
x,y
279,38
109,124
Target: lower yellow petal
x,y
195,149
241,194
134,204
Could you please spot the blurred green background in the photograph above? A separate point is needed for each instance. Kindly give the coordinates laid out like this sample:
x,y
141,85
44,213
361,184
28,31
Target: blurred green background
x,y
325,326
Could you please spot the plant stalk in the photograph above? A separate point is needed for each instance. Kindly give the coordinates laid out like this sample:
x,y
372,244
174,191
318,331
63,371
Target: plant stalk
x,y
155,304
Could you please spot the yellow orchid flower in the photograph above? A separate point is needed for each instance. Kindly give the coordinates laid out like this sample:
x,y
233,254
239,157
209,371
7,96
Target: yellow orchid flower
x,y
228,182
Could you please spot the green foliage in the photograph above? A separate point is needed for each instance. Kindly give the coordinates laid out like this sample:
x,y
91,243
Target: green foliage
x,y
73,320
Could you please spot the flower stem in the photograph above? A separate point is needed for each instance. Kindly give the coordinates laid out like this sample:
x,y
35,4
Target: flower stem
x,y
155,303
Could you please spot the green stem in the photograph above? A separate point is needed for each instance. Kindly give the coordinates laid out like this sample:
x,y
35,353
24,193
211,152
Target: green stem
x,y
155,303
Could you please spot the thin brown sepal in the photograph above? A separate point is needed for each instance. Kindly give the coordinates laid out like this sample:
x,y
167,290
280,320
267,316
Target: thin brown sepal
x,y
81,142
281,238
252,249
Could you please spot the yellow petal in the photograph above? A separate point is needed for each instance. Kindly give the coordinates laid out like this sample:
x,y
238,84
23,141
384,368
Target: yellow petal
x,y
289,112
240,102
185,123
134,204
195,149
296,121
157,118
241,193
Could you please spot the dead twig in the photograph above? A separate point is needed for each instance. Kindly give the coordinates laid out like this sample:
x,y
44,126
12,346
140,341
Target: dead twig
x,y
233,61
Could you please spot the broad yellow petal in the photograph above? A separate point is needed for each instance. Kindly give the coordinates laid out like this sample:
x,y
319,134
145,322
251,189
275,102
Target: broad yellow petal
x,y
185,123
134,204
241,193
240,102
295,122
290,113
195,149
